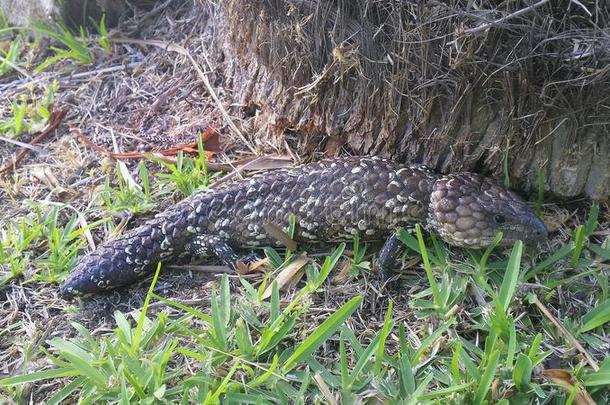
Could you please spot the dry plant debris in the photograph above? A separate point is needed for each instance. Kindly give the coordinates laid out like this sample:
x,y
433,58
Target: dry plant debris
x,y
353,340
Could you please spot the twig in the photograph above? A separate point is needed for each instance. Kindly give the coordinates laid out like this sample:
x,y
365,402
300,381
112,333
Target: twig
x,y
579,4
19,84
15,67
325,390
499,21
202,268
54,122
183,51
207,135
545,311
24,145
250,165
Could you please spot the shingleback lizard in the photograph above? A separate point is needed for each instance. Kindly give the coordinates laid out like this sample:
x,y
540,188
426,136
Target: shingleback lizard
x,y
332,200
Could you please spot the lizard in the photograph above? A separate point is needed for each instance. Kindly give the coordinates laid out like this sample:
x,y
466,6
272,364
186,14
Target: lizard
x,y
332,200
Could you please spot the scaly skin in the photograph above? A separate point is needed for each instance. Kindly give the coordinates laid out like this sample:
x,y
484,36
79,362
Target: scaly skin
x,y
332,200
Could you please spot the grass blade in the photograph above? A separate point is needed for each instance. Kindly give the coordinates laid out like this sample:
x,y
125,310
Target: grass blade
x,y
322,332
522,373
596,317
487,377
564,251
140,326
39,375
579,242
424,255
385,331
509,284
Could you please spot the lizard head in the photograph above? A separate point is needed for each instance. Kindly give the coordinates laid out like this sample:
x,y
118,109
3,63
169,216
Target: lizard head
x,y
469,210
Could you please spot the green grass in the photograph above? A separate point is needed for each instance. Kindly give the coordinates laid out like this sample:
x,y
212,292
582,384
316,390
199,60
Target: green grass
x,y
16,241
49,239
103,39
464,327
127,194
29,113
78,47
10,58
73,47
359,262
188,174
246,348
470,331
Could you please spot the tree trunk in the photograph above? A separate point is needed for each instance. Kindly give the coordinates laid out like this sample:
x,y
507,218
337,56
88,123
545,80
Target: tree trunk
x,y
447,86
515,90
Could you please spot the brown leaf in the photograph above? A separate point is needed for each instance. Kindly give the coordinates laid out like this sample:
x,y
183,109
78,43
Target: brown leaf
x,y
328,395
343,274
259,265
567,382
269,163
289,276
46,176
278,234
335,142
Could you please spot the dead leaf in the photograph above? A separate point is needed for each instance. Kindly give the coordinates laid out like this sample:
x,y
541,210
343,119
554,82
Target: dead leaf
x,y
333,145
289,276
46,176
343,274
259,265
278,234
567,382
202,268
325,390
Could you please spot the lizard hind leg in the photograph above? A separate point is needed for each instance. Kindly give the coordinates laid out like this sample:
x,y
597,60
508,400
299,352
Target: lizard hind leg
x,y
208,245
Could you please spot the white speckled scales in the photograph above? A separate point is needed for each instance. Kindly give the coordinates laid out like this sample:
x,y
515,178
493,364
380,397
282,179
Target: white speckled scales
x,y
332,200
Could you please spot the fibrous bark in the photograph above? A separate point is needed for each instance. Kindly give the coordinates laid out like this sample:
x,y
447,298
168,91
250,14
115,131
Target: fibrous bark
x,y
420,82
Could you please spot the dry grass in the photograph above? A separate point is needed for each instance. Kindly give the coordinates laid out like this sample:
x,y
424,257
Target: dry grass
x,y
138,98
143,97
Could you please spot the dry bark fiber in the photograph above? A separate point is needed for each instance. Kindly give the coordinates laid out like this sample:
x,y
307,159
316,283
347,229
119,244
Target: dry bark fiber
x,y
457,85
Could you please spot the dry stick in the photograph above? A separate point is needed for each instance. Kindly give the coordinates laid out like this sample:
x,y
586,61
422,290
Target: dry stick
x,y
163,154
208,268
20,84
545,311
183,51
24,145
54,122
237,171
325,390
499,21
15,67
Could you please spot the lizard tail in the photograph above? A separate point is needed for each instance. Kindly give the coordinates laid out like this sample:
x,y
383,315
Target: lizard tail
x,y
122,261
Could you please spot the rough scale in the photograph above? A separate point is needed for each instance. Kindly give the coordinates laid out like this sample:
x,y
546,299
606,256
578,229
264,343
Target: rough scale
x,y
333,200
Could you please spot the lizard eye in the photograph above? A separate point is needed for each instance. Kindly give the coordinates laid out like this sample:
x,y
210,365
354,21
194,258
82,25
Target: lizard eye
x,y
499,219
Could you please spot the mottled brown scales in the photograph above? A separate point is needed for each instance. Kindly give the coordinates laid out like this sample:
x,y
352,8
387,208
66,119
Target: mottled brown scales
x,y
332,200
